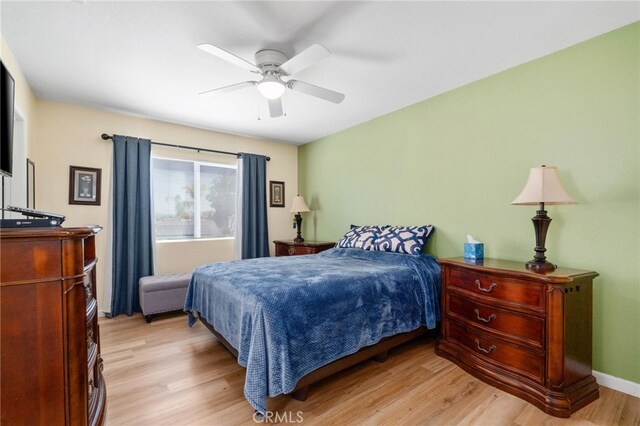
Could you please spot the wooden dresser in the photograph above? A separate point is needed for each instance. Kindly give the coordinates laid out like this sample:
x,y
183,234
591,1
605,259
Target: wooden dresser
x,y
51,369
291,248
526,333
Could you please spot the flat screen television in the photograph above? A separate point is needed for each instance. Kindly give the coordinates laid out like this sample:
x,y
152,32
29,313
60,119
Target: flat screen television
x,y
7,94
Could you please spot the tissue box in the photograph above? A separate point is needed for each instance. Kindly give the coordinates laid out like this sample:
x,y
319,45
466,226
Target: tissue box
x,y
474,250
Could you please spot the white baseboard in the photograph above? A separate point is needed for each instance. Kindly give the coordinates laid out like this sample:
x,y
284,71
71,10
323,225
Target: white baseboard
x,y
618,384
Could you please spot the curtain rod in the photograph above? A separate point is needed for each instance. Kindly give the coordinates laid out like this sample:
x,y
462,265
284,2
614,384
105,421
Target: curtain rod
x,y
105,137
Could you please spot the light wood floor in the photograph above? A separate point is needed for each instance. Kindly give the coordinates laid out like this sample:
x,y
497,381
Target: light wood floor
x,y
165,373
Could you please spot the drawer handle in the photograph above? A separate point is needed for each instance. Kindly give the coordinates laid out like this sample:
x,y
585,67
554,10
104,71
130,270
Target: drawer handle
x,y
89,339
486,351
91,389
491,317
486,290
87,288
291,251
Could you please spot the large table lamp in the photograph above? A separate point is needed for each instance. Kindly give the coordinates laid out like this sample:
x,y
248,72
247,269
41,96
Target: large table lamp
x,y
299,206
543,187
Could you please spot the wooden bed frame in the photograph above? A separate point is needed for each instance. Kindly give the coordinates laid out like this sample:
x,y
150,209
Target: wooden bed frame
x,y
378,352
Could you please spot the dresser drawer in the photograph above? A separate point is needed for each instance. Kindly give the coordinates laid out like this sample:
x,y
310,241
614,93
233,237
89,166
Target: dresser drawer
x,y
508,291
281,250
520,328
92,392
497,351
91,310
92,351
291,248
285,250
300,250
88,287
29,261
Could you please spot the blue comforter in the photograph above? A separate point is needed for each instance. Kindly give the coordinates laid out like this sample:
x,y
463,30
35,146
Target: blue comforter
x,y
287,316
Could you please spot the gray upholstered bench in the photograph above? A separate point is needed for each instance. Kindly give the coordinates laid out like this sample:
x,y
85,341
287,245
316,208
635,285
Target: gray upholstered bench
x,y
162,293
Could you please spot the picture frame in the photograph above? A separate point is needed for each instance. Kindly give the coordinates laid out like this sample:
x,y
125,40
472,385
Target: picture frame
x,y
31,184
84,185
276,193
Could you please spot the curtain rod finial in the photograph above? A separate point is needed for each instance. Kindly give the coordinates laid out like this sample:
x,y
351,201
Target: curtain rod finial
x,y
105,136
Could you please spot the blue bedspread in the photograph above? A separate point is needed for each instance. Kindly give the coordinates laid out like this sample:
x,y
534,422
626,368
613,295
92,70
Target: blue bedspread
x,y
287,316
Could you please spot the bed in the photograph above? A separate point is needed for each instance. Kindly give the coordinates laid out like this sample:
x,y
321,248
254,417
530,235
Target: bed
x,y
290,320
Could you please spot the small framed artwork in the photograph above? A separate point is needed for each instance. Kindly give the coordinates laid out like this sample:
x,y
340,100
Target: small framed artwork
x,y
84,185
276,193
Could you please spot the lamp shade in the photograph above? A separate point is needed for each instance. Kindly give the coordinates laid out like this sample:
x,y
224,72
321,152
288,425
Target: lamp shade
x,y
299,206
543,186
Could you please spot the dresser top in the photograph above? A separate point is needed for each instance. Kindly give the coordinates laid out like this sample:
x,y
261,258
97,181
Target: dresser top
x,y
305,243
45,233
517,269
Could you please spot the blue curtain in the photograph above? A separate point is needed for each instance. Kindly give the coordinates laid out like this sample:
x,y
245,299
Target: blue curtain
x,y
132,225
255,234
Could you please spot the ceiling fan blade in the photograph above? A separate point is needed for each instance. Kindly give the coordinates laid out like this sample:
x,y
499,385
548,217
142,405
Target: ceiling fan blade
x,y
318,92
275,107
226,89
229,57
304,59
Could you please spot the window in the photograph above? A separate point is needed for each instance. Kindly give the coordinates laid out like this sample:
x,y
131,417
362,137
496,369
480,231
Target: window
x,y
181,211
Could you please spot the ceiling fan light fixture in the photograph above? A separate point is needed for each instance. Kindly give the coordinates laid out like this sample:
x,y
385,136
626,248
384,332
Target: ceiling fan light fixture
x,y
272,65
271,87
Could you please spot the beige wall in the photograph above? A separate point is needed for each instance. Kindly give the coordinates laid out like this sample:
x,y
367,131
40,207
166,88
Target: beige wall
x,y
70,135
24,133
25,101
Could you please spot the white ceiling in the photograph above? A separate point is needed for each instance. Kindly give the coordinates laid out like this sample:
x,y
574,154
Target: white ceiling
x,y
141,57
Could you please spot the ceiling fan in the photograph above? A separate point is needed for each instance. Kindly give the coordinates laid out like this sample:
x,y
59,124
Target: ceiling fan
x,y
273,66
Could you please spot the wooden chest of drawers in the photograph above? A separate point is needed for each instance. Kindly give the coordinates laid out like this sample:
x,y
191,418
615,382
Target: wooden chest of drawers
x,y
51,369
291,248
526,333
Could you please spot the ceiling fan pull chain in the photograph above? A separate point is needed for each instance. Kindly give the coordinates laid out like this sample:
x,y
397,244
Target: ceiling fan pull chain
x,y
257,103
284,104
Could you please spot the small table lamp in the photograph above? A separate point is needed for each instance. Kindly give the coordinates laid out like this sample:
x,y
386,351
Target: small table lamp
x,y
542,187
299,206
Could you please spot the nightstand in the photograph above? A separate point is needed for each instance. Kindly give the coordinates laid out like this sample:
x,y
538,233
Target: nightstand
x,y
526,333
291,248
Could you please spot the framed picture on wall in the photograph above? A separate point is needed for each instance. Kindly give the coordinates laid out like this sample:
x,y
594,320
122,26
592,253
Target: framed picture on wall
x,y
276,193
84,185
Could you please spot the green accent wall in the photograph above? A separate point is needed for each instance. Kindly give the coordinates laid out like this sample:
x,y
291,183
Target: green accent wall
x,y
457,161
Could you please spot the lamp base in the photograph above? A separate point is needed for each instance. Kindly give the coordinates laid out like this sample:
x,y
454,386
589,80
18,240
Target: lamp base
x,y
542,267
540,224
298,220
